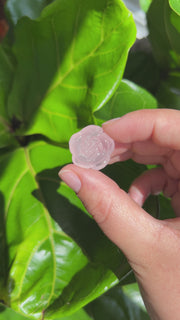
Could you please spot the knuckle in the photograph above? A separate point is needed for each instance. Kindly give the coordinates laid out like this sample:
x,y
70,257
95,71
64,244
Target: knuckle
x,y
102,208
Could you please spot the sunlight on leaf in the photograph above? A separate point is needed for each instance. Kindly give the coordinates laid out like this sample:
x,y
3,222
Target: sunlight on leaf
x,y
145,4
175,5
60,79
128,97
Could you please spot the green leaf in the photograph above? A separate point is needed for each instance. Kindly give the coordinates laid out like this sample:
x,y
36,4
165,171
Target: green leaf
x,y
140,64
79,291
133,293
17,9
5,136
145,4
118,304
128,97
35,242
175,5
6,74
168,93
9,314
165,208
70,61
175,20
164,36
79,315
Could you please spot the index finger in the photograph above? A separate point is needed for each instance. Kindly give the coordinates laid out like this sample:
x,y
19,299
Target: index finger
x,y
161,126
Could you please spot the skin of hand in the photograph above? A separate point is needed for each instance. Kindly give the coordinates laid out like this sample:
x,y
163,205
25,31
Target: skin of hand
x,y
151,246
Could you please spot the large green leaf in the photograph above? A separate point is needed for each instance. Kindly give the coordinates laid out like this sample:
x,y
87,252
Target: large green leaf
x,y
56,253
128,97
70,61
35,242
175,5
164,26
17,9
118,303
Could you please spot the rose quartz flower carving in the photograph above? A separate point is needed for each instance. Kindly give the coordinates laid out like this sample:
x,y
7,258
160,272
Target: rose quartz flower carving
x,y
91,147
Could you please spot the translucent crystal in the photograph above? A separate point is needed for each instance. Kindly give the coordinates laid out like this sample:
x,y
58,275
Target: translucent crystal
x,y
91,147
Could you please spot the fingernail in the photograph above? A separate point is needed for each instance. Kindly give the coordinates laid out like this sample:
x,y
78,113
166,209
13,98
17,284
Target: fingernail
x,y
71,179
137,195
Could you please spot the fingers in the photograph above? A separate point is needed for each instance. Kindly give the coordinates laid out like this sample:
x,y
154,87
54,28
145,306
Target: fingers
x,y
152,182
142,152
121,219
161,126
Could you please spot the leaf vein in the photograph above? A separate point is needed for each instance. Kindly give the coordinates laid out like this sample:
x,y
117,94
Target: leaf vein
x,y
13,190
73,66
58,114
47,218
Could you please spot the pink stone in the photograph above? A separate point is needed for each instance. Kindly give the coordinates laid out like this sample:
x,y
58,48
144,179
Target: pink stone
x,y
91,147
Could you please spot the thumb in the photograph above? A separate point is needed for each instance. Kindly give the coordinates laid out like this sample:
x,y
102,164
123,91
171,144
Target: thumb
x,y
131,228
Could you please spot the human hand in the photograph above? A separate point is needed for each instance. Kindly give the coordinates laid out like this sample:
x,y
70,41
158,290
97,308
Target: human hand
x,y
151,246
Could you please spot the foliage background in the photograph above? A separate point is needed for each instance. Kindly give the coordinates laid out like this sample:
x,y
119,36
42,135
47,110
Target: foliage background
x,y
63,65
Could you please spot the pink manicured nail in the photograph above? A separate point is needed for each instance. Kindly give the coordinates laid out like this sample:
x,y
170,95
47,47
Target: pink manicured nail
x,y
137,195
71,179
